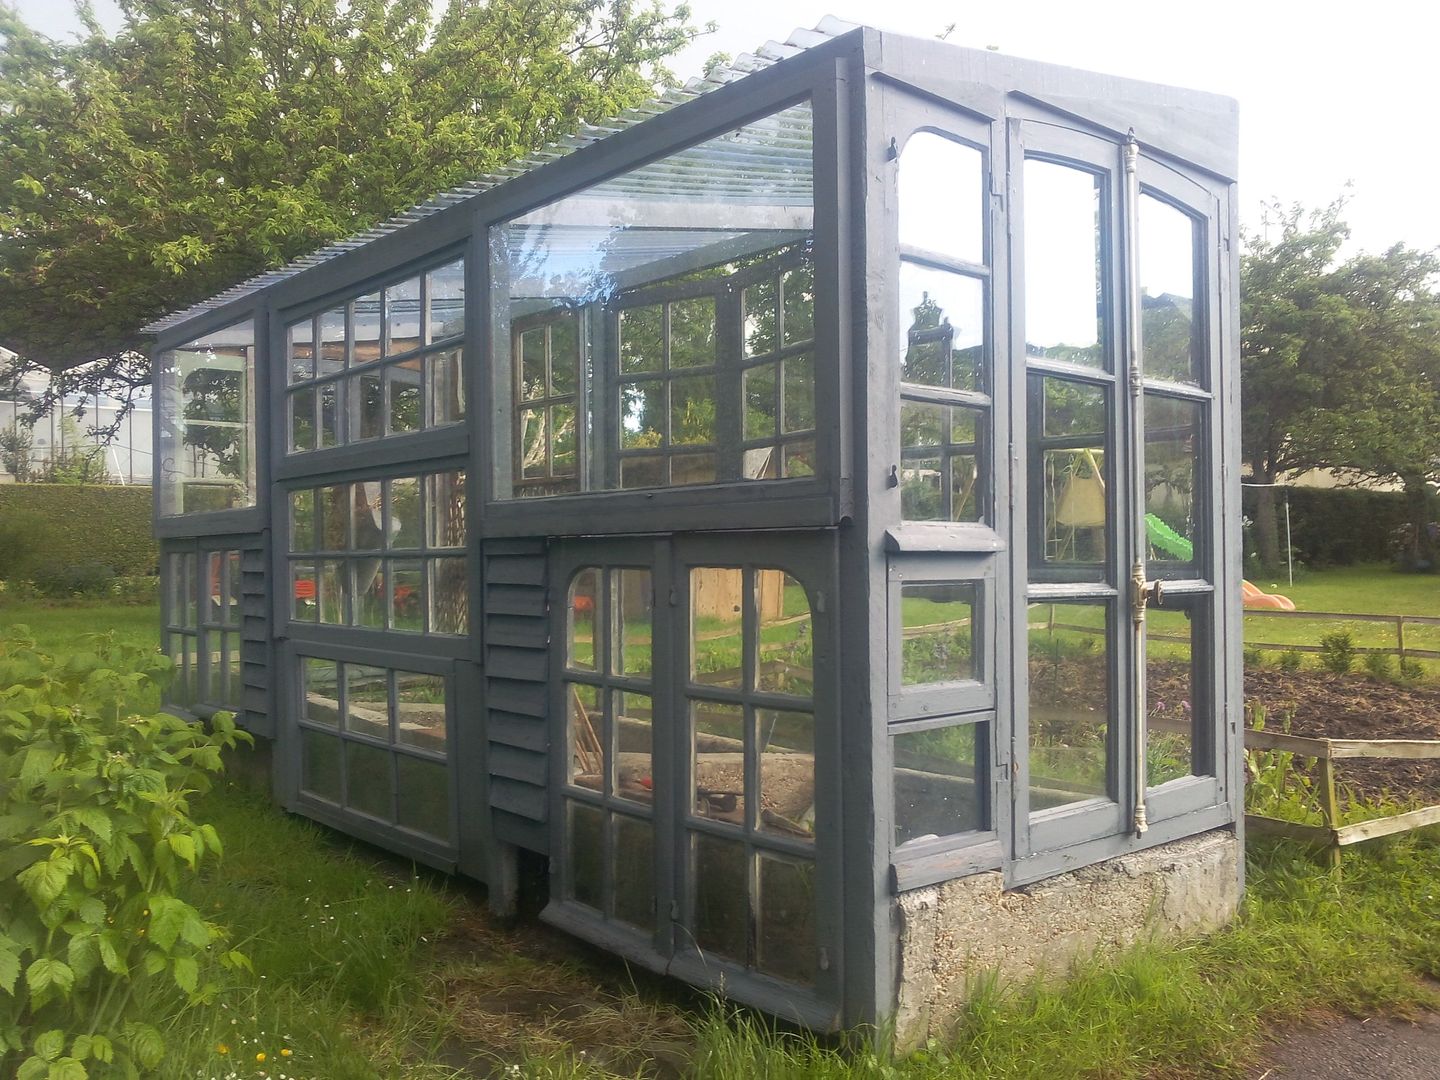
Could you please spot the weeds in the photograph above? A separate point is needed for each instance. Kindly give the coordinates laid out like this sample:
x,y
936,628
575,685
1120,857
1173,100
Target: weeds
x,y
1338,652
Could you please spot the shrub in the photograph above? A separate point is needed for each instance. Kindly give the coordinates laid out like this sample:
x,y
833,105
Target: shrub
x,y
1337,652
103,523
1380,666
1411,670
1254,658
1291,660
95,837
61,581
24,537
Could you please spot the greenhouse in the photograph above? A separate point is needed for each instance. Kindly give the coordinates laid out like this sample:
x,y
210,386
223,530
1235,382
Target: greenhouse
x,y
799,516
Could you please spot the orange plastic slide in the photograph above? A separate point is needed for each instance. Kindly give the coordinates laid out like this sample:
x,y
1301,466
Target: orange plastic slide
x,y
1253,597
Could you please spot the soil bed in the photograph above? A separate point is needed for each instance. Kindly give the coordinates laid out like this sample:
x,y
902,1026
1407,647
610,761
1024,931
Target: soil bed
x,y
1320,705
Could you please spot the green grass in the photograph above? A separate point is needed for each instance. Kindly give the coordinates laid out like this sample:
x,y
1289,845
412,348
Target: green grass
x,y
59,626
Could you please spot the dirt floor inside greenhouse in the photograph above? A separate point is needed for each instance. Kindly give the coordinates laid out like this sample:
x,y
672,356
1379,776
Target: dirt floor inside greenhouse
x,y
1318,704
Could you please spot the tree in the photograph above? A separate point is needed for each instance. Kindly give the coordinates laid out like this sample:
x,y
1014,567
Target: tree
x,y
1340,362
205,142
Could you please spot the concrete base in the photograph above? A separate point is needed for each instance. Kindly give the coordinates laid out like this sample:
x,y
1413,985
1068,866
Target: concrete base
x,y
954,933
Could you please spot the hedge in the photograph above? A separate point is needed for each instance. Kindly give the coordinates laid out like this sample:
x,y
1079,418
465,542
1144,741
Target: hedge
x,y
90,523
1337,526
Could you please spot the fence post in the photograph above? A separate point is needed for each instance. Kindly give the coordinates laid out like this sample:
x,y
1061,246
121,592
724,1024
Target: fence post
x,y
1330,808
1400,637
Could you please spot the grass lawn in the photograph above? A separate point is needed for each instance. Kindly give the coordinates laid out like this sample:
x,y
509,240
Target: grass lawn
x,y
59,627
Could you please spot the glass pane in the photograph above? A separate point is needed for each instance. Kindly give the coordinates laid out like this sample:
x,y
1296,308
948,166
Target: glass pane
x,y
692,469
532,364
371,595
190,608
761,402
562,452
302,418
365,326
718,761
633,604
692,333
445,287
402,316
642,414
302,520
367,701
300,347
582,604
642,472
941,450
304,592
1069,434
799,394
941,190
1069,703
402,526
534,443
445,501
786,744
587,738
1176,715
405,582
942,335
330,412
760,305
634,733
1169,282
692,411
368,787
938,782
447,387
423,796
634,872
785,934
800,458
334,596
937,632
1174,456
1064,230
332,341
721,891
371,403
717,598
449,596
321,690
406,398
320,768
785,657
564,355
233,592
797,291
585,844
642,339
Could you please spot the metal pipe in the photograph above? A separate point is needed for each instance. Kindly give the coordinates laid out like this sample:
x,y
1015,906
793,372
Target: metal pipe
x,y
1134,346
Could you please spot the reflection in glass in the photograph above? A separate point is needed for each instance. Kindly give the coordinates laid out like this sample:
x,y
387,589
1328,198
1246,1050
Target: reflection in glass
x,y
785,931
717,600
369,787
420,710
447,387
332,341
302,520
402,525
445,288
634,871
721,894
370,400
785,659
1064,297
1068,435
587,744
633,776
1070,703
785,742
300,347
937,632
422,798
941,186
938,782
718,760
1171,334
582,608
321,702
365,329
1174,455
941,450
942,328
633,605
403,384
585,845
405,580
320,765
449,594
367,701
1175,713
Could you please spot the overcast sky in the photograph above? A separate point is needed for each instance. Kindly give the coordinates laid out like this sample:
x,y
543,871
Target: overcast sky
x,y
1329,92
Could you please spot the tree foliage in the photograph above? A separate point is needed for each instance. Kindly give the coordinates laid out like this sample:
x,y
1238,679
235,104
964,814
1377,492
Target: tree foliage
x,y
1340,359
205,142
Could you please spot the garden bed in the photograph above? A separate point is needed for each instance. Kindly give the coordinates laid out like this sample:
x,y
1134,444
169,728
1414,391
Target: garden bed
x,y
1317,704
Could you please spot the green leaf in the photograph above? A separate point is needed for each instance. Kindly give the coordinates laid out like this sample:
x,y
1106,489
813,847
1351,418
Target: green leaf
x,y
91,911
102,1049
83,954
184,847
80,1049
34,1068
187,973
146,1044
9,971
47,972
38,764
46,880
167,920
50,1045
67,1069
212,839
110,955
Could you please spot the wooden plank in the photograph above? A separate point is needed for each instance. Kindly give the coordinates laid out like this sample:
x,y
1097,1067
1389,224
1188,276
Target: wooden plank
x,y
515,570
1330,807
1296,744
1408,749
1343,616
1387,826
529,665
1291,830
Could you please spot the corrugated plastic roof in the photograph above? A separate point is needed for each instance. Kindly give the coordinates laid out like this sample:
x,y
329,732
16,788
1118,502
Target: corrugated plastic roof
x,y
768,54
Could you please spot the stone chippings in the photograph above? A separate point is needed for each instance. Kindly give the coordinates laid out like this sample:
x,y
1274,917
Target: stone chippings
x,y
954,933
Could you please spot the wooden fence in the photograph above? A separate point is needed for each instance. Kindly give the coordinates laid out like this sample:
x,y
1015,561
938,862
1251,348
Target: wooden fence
x,y
1332,836
1399,622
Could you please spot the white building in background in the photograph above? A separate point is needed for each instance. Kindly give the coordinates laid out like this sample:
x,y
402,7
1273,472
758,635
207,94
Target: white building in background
x,y
128,453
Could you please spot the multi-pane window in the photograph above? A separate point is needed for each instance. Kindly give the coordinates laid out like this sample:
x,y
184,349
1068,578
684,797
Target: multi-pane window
x,y
751,820
202,628
383,554
609,759
944,346
386,363
375,742
661,323
205,392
